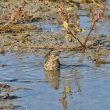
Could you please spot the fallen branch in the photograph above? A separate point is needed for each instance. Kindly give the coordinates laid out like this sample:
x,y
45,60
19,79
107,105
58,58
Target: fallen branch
x,y
61,48
57,47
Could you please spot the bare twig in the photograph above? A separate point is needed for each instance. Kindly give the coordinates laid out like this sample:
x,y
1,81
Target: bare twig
x,y
97,17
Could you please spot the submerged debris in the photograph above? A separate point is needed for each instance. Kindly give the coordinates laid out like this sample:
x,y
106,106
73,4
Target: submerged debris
x,y
10,106
7,105
6,90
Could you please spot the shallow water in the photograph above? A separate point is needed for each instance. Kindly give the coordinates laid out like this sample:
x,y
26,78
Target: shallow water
x,y
102,27
89,84
86,84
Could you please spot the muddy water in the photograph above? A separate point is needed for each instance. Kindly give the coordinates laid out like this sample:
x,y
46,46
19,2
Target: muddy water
x,y
89,83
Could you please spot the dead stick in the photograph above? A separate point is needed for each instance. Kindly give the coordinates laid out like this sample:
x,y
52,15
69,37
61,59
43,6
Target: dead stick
x,y
76,38
88,36
57,47
65,48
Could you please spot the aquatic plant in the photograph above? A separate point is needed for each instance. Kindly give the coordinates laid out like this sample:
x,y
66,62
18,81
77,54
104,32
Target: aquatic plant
x,y
95,18
70,20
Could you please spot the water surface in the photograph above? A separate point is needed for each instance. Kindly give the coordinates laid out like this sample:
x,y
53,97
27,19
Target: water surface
x,y
89,84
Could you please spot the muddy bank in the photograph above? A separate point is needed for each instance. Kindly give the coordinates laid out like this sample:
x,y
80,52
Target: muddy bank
x,y
28,30
22,31
32,10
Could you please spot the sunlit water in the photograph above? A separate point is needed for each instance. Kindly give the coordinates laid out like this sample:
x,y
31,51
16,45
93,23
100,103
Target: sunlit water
x,y
90,85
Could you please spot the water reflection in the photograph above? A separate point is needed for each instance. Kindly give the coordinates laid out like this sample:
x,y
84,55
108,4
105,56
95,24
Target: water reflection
x,y
67,94
64,95
54,78
77,83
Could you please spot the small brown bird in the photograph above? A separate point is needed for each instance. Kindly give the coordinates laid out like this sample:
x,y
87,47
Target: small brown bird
x,y
52,62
